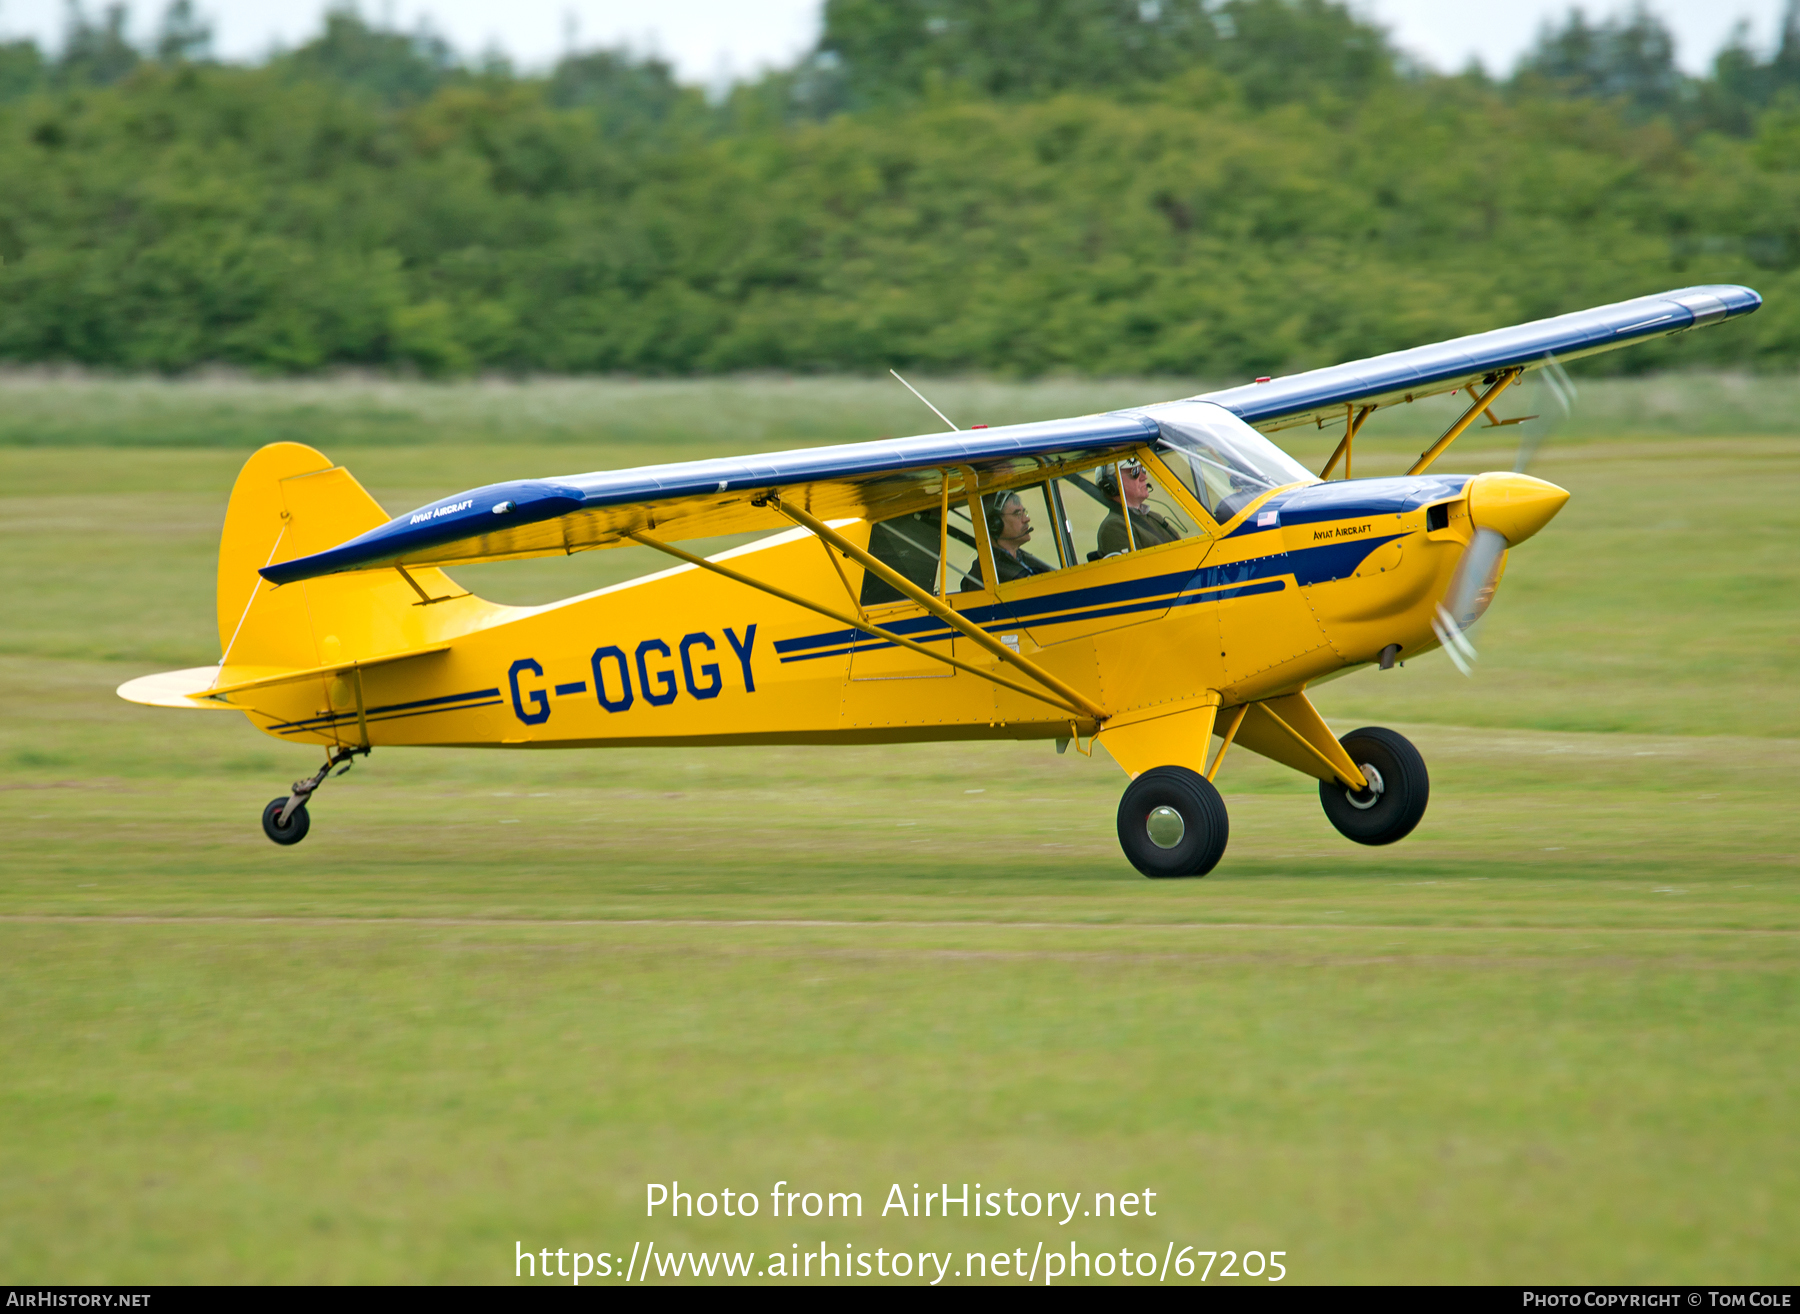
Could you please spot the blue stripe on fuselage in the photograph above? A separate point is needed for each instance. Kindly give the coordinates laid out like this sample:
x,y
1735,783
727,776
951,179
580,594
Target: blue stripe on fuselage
x,y
1312,565
1006,614
386,710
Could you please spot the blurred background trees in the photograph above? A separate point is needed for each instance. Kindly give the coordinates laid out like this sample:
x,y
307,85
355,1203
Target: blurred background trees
x,y
1099,186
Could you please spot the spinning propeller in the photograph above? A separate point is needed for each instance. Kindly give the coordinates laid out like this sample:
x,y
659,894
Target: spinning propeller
x,y
1506,510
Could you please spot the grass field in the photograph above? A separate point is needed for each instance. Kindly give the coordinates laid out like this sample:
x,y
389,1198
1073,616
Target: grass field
x,y
1548,1038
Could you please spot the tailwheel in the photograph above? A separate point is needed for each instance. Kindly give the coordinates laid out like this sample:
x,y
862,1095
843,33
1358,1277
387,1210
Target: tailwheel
x,y
1172,822
289,831
1398,788
285,820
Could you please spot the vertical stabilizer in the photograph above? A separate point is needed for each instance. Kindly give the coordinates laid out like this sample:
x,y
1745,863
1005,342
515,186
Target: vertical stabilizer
x,y
291,501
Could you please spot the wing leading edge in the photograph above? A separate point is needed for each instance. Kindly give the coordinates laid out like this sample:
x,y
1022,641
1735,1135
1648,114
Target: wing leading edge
x,y
694,499
1320,396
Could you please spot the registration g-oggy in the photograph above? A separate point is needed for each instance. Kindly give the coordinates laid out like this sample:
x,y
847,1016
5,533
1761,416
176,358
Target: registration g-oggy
x,y
1152,580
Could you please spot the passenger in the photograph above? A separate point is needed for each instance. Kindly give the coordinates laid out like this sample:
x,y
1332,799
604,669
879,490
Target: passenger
x,y
1147,527
1009,528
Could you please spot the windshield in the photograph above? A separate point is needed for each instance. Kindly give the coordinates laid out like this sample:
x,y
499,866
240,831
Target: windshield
x,y
1223,461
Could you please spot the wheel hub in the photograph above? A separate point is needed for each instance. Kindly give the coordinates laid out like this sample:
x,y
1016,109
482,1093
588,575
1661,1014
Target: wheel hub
x,y
1370,797
1165,827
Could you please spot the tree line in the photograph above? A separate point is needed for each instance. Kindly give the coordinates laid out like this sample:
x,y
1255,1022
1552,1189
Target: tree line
x,y
1217,187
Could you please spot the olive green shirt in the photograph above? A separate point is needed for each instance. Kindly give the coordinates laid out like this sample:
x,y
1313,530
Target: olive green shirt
x,y
1010,567
1146,526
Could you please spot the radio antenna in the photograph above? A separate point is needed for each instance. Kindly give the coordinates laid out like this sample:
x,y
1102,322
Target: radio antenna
x,y
921,396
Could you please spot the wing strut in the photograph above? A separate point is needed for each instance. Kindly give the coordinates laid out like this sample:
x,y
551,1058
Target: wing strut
x,y
1455,431
1352,426
854,623
1072,698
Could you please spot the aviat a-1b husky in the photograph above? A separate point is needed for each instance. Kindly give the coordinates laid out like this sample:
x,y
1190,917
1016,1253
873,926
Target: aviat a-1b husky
x,y
1150,579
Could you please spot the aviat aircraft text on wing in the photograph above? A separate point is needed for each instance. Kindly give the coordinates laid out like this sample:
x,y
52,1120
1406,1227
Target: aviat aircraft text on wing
x,y
1151,579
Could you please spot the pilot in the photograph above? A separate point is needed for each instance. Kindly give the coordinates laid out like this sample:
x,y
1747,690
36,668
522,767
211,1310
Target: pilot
x,y
1009,529
1147,527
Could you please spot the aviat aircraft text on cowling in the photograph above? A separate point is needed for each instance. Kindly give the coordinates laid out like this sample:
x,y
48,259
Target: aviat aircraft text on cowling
x,y
1016,583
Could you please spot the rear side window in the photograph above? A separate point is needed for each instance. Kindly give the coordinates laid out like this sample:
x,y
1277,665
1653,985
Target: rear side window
x,y
914,546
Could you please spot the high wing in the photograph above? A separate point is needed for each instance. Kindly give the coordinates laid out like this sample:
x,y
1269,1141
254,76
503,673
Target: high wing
x,y
1320,396
875,480
695,499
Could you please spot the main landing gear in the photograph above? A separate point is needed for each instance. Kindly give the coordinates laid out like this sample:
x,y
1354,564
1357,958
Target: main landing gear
x,y
1398,788
1172,821
285,820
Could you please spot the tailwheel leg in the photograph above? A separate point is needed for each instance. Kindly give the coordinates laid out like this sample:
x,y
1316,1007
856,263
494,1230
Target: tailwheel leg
x,y
285,820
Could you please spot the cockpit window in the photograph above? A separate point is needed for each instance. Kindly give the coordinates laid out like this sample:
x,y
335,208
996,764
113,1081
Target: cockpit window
x,y
1037,529
1223,461
1098,527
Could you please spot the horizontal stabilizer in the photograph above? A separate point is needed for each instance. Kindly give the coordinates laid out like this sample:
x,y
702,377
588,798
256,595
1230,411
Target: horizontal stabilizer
x,y
319,672
198,685
175,689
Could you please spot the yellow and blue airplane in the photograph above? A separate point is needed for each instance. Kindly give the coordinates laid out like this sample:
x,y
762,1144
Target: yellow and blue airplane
x,y
1185,581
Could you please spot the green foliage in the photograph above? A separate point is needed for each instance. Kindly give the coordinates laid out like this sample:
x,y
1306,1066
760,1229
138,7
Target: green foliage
x,y
22,69
1007,48
391,66
96,54
183,35
627,97
1086,186
1630,58
1742,83
875,52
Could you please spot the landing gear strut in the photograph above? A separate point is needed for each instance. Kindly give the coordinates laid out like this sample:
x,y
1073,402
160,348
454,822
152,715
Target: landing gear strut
x,y
284,820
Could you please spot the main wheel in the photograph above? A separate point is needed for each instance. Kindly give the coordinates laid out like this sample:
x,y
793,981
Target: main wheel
x,y
1398,788
1172,822
297,823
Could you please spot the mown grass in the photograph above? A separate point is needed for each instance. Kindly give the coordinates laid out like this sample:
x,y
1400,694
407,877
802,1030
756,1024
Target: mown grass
x,y
1548,1038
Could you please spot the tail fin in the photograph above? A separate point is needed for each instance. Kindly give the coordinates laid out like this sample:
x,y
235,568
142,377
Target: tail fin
x,y
291,501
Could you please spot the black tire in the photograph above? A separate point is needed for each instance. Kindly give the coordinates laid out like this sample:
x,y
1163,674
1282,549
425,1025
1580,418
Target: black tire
x,y
1406,789
297,824
1203,829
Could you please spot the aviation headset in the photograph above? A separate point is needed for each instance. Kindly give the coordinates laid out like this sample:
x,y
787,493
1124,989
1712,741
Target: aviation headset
x,y
995,504
1108,480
